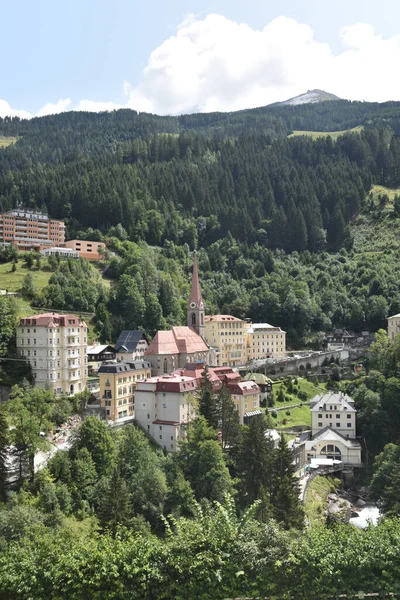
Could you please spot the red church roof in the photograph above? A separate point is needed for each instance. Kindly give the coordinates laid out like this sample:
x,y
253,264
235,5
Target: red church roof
x,y
180,340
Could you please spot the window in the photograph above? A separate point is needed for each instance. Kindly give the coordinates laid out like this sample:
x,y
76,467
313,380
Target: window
x,y
319,424
164,406
160,437
160,427
338,416
319,416
348,424
337,424
349,416
172,437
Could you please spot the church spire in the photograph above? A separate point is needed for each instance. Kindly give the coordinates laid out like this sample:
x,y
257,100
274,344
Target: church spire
x,y
195,307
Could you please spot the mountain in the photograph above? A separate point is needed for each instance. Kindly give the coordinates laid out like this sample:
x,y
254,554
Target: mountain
x,y
310,97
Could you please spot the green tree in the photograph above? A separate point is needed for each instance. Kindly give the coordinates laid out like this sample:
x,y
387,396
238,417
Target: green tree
x,y
228,419
207,400
285,493
115,508
255,463
29,409
28,286
95,436
202,462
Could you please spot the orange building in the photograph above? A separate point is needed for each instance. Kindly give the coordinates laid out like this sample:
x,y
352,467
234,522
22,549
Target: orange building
x,y
87,249
30,229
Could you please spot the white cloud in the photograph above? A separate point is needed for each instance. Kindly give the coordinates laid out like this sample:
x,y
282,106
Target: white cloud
x,y
214,63
7,111
54,109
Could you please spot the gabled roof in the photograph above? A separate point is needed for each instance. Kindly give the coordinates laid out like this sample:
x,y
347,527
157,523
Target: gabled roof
x,y
180,340
221,318
99,349
330,435
129,339
259,378
340,400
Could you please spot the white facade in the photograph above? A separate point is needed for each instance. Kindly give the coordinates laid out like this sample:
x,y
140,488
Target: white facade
x,y
61,252
335,411
393,326
265,341
331,445
55,346
164,407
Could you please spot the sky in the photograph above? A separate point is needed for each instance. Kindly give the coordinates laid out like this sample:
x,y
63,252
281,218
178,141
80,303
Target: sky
x,y
176,56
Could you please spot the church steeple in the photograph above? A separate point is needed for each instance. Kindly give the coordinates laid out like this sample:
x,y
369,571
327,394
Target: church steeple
x,y
195,306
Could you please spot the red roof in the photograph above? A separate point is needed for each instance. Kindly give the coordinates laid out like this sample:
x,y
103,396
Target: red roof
x,y
52,320
180,340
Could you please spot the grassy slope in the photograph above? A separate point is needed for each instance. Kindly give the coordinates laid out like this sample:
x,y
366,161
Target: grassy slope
x,y
334,134
317,492
300,415
13,281
7,141
377,232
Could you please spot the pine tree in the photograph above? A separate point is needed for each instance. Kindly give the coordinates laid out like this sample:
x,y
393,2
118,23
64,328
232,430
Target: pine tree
x,y
207,400
285,492
229,418
115,506
255,463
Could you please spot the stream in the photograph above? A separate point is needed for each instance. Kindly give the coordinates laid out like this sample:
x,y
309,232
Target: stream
x,y
370,513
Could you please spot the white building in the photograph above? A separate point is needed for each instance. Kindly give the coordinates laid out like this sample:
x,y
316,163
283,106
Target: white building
x,y
333,430
61,252
131,345
265,341
333,410
55,345
164,406
393,326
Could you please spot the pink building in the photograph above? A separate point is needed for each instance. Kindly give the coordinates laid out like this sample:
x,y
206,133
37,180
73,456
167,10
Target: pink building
x,y
86,249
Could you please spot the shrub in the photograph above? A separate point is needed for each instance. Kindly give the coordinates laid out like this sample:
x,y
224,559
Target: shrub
x,y
288,413
274,414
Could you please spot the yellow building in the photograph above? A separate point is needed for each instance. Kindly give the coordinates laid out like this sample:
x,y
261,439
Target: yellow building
x,y
228,335
118,384
393,326
265,341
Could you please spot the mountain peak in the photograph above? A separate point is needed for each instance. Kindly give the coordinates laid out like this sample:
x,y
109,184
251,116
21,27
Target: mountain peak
x,y
310,97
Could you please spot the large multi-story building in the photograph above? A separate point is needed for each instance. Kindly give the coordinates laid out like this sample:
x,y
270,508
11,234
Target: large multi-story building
x,y
118,383
55,346
393,326
228,335
30,229
265,341
165,406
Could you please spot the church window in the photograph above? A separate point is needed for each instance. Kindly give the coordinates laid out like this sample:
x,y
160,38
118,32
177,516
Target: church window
x,y
193,318
165,365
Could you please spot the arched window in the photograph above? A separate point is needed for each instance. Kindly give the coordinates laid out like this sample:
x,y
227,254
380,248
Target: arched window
x,y
331,451
202,318
193,318
165,365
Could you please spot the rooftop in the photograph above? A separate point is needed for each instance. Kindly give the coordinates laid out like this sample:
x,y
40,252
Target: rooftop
x,y
179,340
129,339
342,401
52,320
329,435
220,318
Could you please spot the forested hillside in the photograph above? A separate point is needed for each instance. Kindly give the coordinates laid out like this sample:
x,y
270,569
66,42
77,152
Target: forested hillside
x,y
233,186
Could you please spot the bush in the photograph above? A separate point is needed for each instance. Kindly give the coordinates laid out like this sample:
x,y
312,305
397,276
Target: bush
x,y
288,413
271,401
274,414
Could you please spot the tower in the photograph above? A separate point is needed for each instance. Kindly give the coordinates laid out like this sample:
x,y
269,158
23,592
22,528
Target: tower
x,y
195,306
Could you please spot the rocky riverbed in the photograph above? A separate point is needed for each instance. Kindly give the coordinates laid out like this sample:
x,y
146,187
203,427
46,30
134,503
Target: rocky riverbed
x,y
352,506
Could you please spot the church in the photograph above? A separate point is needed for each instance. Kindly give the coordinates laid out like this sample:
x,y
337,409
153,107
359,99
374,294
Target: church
x,y
173,349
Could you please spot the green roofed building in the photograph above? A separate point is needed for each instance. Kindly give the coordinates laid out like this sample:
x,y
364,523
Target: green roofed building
x,y
263,382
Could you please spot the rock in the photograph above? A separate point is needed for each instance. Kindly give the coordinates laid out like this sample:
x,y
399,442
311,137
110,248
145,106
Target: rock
x,y
333,497
354,514
360,503
334,508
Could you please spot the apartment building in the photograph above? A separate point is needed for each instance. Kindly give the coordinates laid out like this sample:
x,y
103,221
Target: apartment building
x,y
265,341
393,326
246,395
228,335
86,249
30,229
131,345
55,346
165,405
118,383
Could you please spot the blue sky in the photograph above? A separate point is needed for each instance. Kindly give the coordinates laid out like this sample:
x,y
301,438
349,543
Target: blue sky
x,y
227,55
